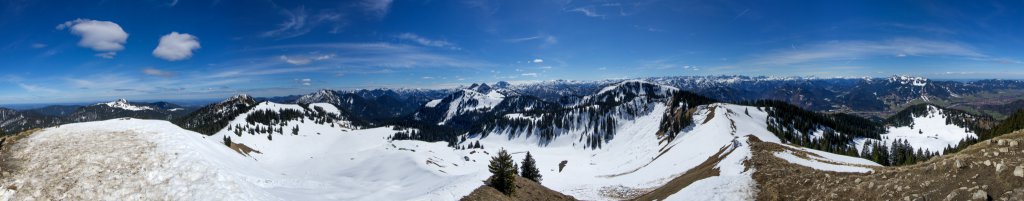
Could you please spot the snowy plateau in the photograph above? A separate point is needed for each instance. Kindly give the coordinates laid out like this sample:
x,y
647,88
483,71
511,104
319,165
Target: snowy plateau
x,y
132,159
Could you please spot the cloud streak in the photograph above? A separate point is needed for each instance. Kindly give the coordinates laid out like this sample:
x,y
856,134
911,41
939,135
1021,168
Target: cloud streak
x,y
427,42
859,49
157,72
545,39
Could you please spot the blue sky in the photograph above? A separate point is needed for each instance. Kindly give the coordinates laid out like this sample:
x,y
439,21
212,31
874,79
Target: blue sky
x,y
80,51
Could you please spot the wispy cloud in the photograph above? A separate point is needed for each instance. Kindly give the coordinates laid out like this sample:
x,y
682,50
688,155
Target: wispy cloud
x,y
373,56
36,88
157,72
588,11
379,8
921,28
295,24
427,42
858,49
545,39
741,14
303,60
299,22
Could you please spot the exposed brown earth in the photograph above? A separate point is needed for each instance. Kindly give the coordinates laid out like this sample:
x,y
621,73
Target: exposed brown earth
x,y
525,190
990,170
7,163
242,149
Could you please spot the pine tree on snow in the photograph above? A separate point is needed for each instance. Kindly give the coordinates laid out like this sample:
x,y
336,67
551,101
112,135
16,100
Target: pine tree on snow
x,y
504,172
529,169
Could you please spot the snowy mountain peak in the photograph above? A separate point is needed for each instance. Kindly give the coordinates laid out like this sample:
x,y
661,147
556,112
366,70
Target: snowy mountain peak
x,y
482,88
321,96
904,79
241,98
125,105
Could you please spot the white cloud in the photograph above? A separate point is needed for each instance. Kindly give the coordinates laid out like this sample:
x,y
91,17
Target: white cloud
x,y
851,50
538,61
529,74
101,36
176,46
306,81
428,78
38,45
427,42
157,72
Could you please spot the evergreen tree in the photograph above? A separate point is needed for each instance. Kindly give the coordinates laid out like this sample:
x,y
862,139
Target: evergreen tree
x,y
227,141
529,169
504,172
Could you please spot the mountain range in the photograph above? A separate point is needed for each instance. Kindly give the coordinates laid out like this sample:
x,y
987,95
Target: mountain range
x,y
670,138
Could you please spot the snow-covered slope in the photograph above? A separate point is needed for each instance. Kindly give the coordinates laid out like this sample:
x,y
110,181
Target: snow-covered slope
x,y
592,121
638,160
316,118
930,131
475,99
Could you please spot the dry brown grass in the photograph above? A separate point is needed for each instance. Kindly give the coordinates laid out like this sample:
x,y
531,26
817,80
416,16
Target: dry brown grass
x,y
937,179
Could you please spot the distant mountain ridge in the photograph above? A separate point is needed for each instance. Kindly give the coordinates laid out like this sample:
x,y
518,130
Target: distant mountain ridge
x,y
13,121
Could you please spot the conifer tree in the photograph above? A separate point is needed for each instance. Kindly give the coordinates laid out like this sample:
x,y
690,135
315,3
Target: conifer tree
x,y
504,172
529,169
